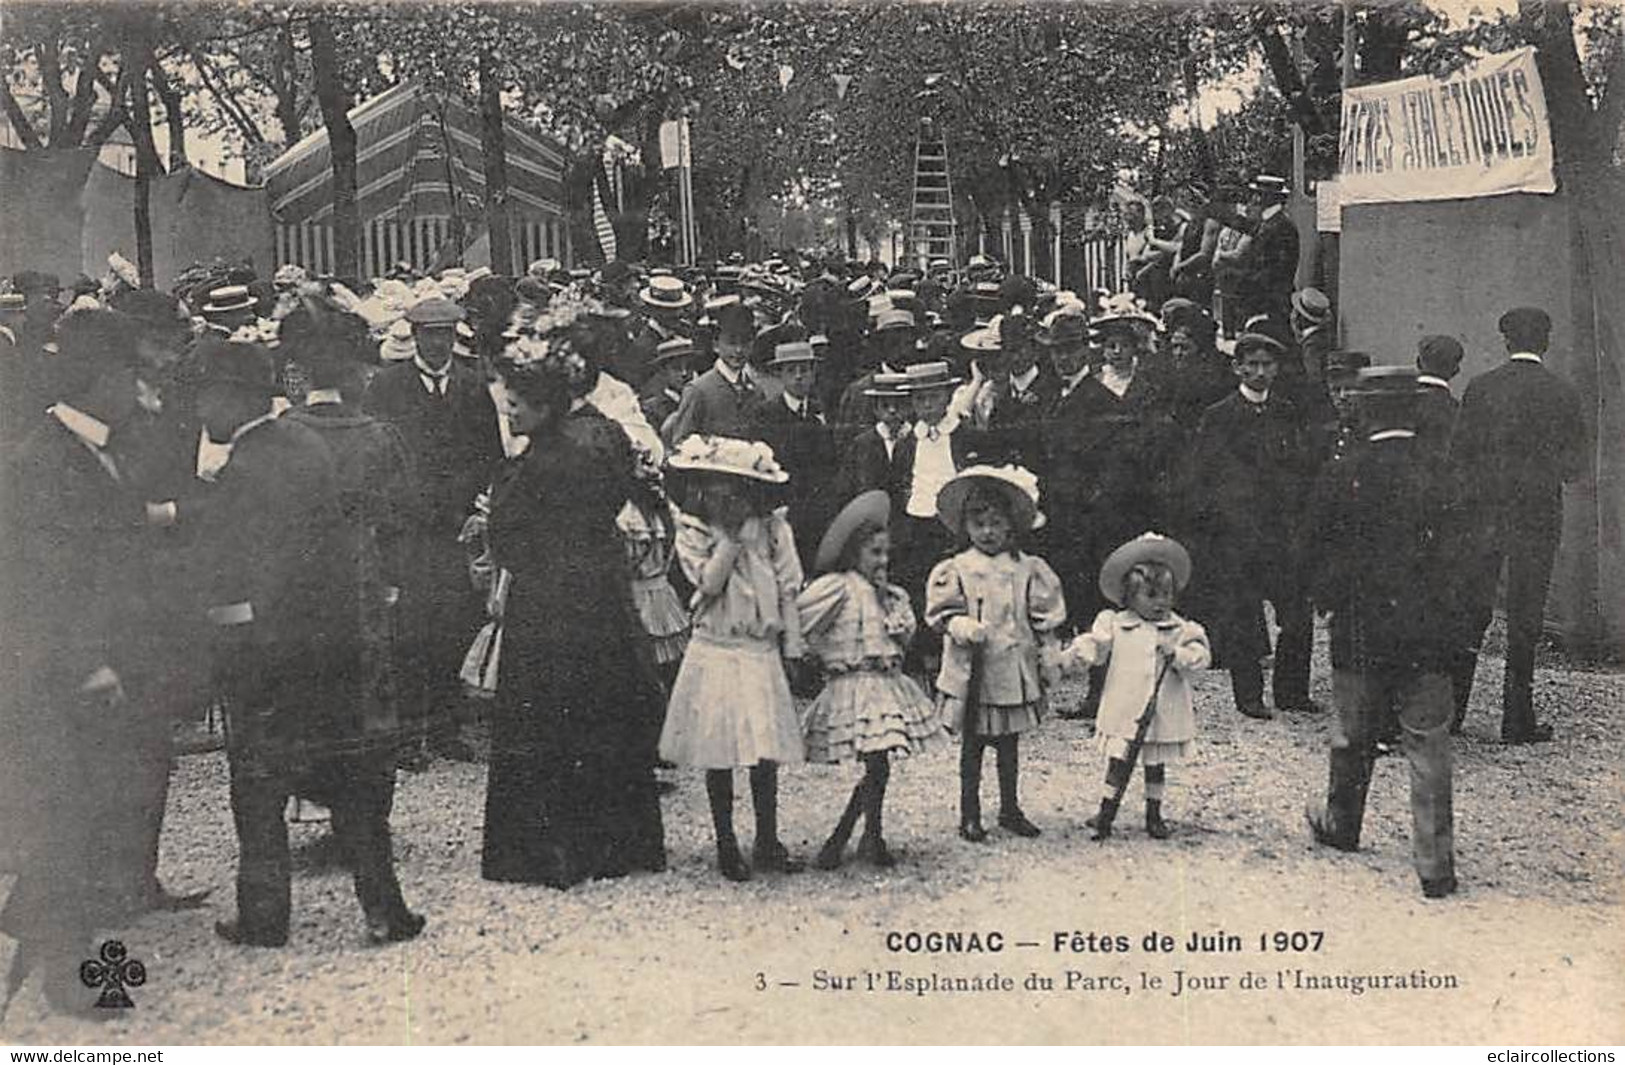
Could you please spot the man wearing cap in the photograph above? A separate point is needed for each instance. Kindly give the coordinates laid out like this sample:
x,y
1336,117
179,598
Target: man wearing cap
x,y
663,388
1438,361
1389,572
1251,473
1521,436
280,582
74,689
795,428
446,416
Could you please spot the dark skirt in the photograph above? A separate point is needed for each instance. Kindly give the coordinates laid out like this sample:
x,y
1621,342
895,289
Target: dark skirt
x,y
571,794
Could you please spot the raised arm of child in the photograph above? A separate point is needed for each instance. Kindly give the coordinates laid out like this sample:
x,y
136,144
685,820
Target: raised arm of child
x,y
1094,647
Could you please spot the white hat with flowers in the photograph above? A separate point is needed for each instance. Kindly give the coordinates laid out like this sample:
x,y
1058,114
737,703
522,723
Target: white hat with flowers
x,y
1017,484
751,459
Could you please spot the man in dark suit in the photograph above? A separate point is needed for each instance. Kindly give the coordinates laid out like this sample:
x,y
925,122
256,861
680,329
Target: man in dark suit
x,y
794,427
1103,468
1438,360
72,548
282,587
723,400
1026,390
890,350
663,390
1521,435
1270,266
871,457
445,414
1250,476
1388,572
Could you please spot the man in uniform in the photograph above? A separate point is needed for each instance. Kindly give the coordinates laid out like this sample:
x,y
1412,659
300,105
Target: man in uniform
x,y
1438,361
449,423
1387,575
281,584
1520,437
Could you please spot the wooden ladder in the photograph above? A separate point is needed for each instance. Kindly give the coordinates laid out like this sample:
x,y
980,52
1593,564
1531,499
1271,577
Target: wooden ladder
x,y
932,231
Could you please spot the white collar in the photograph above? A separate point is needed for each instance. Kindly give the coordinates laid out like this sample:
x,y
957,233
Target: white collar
x,y
1525,356
92,431
1435,382
797,406
884,431
1254,397
255,423
423,368
1025,381
1271,211
1075,380
672,393
945,427
322,395
730,375
1392,434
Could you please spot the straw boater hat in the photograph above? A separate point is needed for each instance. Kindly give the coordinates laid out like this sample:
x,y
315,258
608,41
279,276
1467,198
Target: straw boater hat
x,y
988,338
888,386
227,299
869,508
751,459
675,348
1312,304
893,318
665,293
925,376
1147,547
793,351
1063,328
1018,485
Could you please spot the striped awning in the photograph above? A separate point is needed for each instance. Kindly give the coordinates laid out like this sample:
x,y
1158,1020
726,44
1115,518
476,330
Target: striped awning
x,y
417,156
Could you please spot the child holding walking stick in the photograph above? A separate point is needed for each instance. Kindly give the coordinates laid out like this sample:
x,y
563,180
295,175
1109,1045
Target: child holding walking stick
x,y
1145,710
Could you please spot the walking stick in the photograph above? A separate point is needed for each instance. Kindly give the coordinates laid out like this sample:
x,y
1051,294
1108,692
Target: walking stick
x,y
1141,727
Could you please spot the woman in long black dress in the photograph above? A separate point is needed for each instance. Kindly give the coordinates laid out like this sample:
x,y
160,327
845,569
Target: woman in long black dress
x,y
571,792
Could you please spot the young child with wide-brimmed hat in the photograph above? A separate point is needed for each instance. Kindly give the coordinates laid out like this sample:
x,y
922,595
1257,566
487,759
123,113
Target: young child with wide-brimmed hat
x,y
1147,650
731,704
995,605
858,625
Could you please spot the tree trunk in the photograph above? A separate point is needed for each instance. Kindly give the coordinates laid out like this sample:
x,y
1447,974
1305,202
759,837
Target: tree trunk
x,y
286,82
1586,177
334,99
1287,79
494,147
19,121
147,164
174,118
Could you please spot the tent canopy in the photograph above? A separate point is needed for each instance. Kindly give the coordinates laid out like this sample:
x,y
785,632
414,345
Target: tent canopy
x,y
418,156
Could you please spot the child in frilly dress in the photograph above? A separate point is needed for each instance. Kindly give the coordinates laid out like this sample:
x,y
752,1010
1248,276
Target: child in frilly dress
x,y
646,526
1137,643
998,608
857,624
731,705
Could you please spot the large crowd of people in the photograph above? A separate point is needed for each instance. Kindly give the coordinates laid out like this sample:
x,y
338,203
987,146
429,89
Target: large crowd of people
x,y
733,515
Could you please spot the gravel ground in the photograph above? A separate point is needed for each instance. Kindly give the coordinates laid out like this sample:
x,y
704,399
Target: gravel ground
x,y
1533,941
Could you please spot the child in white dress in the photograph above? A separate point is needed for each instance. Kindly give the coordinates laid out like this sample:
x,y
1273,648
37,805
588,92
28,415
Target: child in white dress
x,y
730,704
1146,648
857,624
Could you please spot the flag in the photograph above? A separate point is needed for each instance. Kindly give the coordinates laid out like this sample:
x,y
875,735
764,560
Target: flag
x,y
601,223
